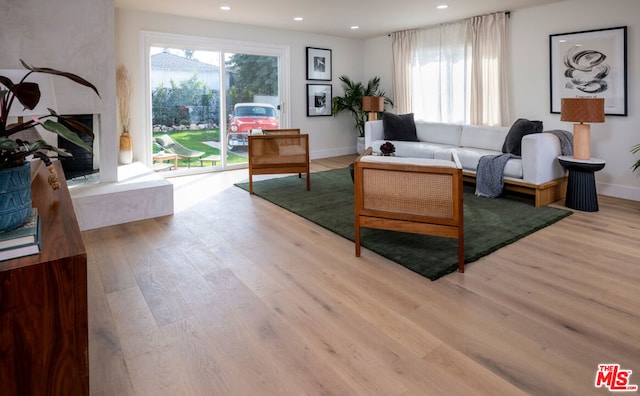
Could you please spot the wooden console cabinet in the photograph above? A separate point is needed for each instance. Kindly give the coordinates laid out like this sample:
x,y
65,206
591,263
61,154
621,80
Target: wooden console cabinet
x,y
43,304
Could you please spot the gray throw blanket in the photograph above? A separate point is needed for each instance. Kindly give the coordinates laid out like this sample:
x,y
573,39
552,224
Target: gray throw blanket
x,y
566,140
489,177
490,172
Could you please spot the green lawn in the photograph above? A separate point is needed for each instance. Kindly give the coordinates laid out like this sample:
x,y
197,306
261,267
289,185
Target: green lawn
x,y
194,141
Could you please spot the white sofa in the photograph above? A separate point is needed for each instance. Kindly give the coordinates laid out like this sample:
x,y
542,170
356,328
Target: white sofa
x,y
537,172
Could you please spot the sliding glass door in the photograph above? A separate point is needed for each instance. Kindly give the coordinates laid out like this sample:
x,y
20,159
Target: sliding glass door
x,y
206,96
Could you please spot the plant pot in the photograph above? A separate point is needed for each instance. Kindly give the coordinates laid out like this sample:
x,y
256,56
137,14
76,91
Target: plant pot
x,y
15,196
126,153
360,145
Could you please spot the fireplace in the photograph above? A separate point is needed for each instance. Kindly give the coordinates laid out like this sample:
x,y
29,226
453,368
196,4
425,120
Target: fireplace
x,y
83,163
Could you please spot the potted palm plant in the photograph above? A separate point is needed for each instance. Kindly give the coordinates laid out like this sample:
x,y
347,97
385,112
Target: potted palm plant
x,y
15,171
351,100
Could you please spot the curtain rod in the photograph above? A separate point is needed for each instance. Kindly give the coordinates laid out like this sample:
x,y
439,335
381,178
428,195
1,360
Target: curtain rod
x,y
507,13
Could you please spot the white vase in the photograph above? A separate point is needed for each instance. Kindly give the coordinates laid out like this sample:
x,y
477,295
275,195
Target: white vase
x,y
126,153
360,145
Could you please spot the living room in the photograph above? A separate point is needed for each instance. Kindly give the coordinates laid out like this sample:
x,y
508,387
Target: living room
x,y
45,34
359,59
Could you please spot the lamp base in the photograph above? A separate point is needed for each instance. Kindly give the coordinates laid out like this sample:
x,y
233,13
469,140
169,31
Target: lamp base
x,y
373,116
581,141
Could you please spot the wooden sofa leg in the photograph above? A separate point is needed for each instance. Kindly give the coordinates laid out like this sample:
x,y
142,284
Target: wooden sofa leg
x,y
308,181
250,184
357,240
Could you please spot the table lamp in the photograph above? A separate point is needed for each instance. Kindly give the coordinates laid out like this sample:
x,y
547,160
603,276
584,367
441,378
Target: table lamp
x,y
373,105
581,110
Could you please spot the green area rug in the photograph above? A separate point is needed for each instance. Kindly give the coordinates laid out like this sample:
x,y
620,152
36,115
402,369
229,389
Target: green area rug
x,y
490,223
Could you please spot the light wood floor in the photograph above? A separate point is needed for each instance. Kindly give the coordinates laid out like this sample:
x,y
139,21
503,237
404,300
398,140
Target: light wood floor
x,y
235,296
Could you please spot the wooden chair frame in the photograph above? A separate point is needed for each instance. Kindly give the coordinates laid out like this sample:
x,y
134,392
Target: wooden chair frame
x,y
289,131
276,153
421,199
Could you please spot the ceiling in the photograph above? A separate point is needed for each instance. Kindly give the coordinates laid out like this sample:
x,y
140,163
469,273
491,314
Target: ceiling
x,y
332,17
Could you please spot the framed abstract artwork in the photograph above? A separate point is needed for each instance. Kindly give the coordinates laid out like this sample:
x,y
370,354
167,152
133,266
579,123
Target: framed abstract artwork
x,y
319,100
318,64
590,64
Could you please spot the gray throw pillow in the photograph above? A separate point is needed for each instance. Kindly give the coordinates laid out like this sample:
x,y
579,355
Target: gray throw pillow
x,y
399,127
520,128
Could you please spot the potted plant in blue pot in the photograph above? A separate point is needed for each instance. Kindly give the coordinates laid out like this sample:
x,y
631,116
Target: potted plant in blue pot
x,y
15,170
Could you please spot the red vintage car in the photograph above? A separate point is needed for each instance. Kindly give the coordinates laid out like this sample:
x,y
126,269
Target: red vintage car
x,y
249,116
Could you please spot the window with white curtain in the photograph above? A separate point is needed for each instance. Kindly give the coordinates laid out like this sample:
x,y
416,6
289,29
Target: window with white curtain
x,y
441,70
457,71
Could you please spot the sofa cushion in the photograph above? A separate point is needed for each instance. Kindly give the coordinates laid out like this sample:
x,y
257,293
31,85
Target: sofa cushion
x,y
399,127
436,132
470,157
520,128
483,137
408,161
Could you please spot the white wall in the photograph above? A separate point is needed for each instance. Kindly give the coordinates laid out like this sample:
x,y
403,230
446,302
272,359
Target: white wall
x,y
610,141
530,30
329,136
379,62
76,36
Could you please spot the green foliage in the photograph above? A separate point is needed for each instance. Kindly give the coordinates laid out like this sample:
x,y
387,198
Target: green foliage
x,y
186,102
351,100
27,94
254,73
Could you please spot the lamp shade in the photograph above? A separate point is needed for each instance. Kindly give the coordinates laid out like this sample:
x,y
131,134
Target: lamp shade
x,y
47,96
582,110
372,103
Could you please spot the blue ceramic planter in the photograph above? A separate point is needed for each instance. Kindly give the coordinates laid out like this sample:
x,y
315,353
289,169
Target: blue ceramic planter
x,y
15,196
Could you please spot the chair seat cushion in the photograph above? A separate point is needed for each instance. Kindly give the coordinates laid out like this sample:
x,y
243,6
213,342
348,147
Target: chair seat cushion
x,y
408,161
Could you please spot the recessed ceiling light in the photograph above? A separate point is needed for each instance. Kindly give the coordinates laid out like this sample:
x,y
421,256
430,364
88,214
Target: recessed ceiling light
x,y
354,27
225,8
298,18
442,6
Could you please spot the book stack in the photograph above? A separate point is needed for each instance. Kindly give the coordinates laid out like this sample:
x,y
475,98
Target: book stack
x,y
23,241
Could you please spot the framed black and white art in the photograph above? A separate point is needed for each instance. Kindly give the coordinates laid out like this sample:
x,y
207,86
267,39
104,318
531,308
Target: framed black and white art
x,y
318,100
318,64
590,64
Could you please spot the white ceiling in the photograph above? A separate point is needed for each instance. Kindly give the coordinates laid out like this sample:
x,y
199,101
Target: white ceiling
x,y
332,17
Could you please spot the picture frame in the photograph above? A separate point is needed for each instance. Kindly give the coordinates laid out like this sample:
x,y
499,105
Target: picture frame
x,y
590,64
319,100
318,64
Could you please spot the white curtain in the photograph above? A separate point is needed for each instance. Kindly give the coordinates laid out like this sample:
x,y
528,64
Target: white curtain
x,y
402,46
489,81
441,72
456,72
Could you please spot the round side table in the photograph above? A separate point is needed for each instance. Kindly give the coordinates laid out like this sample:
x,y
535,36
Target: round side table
x,y
581,186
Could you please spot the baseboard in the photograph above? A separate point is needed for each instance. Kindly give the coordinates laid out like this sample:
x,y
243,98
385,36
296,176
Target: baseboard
x,y
619,191
332,152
